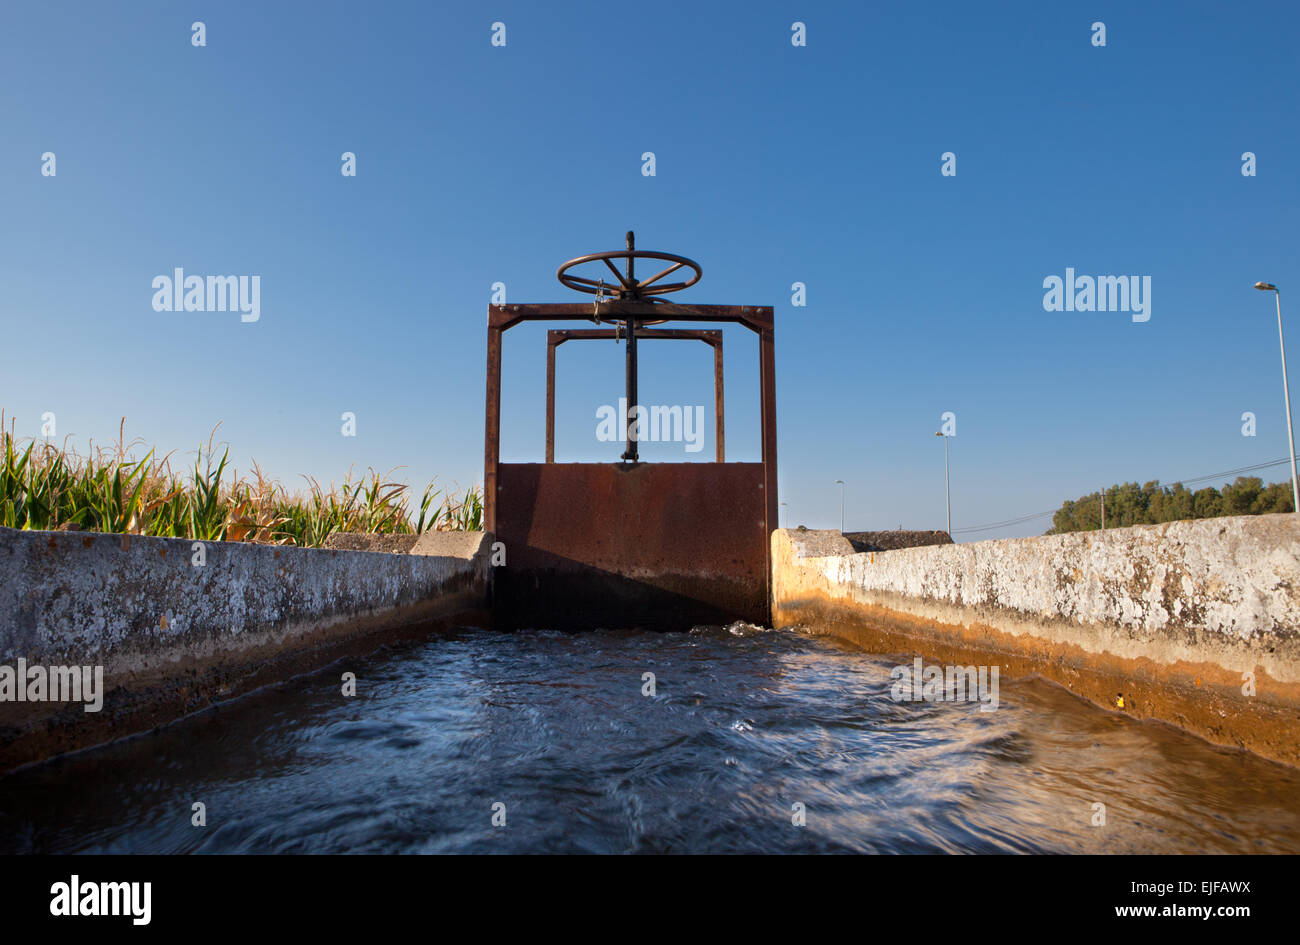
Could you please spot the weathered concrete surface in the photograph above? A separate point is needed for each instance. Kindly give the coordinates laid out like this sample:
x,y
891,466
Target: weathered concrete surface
x,y
361,541
1159,621
174,637
452,544
900,538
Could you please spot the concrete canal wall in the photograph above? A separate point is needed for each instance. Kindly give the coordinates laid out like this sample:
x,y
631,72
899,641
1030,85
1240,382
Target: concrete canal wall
x,y
1193,623
176,631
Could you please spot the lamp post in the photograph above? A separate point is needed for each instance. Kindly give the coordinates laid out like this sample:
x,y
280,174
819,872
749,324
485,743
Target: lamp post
x,y
1286,395
947,494
785,513
841,485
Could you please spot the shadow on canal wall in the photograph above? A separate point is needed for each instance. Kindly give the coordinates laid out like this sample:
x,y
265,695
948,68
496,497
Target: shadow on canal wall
x,y
1193,623
176,626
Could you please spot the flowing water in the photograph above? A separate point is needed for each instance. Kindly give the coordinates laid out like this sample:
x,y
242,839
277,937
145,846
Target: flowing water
x,y
745,725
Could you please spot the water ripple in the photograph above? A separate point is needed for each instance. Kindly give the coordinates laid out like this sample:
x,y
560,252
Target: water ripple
x,y
753,741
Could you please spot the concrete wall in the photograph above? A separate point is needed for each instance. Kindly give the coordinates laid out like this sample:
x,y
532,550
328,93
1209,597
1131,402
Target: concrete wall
x,y
173,637
1157,621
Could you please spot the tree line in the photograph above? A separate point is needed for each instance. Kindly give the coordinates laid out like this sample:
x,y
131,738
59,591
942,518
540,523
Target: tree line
x,y
1152,504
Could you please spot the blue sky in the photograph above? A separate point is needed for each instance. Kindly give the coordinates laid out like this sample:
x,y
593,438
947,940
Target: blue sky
x,y
774,164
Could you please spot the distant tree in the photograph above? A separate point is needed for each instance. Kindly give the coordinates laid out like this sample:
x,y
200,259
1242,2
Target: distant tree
x,y
1241,496
1152,504
1274,498
1207,503
1063,520
1171,504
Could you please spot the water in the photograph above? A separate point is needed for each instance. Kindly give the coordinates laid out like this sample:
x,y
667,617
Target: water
x,y
745,724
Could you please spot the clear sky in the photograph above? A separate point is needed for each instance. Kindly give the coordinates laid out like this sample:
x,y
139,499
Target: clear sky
x,y
774,164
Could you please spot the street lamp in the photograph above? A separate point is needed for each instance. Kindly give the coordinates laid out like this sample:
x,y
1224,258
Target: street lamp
x,y
947,494
841,485
785,513
1286,394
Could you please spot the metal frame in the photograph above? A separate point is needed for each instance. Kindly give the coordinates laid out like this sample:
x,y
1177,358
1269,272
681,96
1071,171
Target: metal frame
x,y
573,570
712,337
757,318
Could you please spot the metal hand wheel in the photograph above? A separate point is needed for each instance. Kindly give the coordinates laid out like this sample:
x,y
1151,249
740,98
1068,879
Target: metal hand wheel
x,y
626,285
627,288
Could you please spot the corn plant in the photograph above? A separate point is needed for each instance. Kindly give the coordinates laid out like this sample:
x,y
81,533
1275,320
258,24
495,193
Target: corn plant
x,y
467,514
43,486
427,508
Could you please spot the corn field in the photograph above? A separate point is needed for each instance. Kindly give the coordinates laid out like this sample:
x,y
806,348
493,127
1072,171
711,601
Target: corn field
x,y
43,486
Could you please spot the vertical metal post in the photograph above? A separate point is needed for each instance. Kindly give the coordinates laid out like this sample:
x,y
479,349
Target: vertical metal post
x,y
767,419
629,454
550,401
719,431
767,393
492,431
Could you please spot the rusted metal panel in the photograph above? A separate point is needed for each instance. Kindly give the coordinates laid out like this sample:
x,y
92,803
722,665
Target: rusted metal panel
x,y
654,545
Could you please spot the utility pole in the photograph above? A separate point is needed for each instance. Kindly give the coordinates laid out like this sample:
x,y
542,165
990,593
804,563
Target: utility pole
x,y
1286,396
947,491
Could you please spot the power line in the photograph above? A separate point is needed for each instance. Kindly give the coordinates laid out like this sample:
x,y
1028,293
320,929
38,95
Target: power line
x,y
1010,521
1031,517
1233,472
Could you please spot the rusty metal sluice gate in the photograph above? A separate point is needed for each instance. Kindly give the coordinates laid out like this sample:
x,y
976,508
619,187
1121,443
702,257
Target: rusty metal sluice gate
x,y
630,543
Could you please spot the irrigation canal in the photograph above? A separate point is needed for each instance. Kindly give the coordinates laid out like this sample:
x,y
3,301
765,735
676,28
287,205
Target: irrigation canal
x,y
743,727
